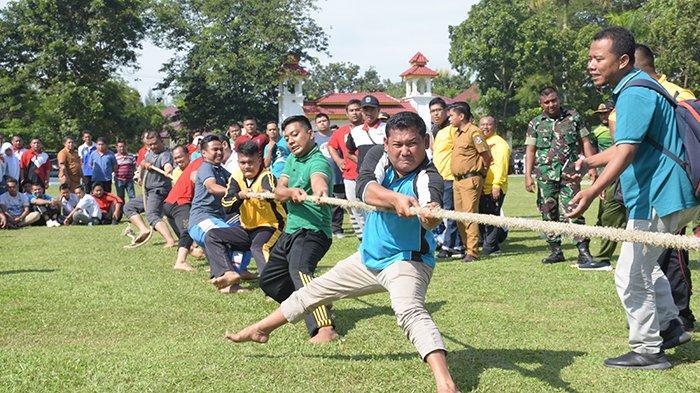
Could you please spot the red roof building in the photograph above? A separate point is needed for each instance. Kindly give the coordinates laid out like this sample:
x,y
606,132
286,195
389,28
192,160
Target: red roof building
x,y
418,68
333,104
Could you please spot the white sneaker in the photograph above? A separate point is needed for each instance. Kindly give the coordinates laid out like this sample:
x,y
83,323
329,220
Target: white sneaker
x,y
49,223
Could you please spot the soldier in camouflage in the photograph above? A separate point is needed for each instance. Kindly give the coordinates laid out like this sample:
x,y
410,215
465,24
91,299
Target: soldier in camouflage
x,y
554,141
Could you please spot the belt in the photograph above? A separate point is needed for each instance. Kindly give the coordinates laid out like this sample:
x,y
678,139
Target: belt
x,y
467,175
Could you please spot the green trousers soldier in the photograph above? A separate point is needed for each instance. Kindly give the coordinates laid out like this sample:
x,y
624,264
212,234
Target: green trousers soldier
x,y
611,213
553,198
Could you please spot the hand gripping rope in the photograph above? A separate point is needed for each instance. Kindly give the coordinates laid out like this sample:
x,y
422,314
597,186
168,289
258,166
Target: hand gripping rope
x,y
664,240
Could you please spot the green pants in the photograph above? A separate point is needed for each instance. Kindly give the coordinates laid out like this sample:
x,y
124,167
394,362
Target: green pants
x,y
553,198
611,213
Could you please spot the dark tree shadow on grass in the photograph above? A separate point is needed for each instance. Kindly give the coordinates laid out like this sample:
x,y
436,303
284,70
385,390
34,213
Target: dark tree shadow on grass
x,y
347,319
21,271
467,364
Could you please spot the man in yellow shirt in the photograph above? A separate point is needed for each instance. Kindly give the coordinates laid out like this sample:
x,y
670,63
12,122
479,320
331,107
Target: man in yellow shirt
x,y
495,185
442,159
644,60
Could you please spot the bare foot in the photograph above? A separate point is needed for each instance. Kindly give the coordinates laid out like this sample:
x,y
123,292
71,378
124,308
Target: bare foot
x,y
227,279
325,335
142,237
183,266
197,252
247,275
169,245
234,289
251,333
451,388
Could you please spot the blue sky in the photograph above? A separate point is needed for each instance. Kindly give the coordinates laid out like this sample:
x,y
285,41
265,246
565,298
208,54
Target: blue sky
x,y
379,33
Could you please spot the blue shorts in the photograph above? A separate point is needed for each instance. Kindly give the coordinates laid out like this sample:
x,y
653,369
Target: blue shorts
x,y
197,232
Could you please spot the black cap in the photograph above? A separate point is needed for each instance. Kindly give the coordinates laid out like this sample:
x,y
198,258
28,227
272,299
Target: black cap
x,y
370,101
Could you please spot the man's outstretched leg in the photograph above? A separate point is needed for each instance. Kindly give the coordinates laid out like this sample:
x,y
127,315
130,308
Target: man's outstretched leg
x,y
259,332
438,365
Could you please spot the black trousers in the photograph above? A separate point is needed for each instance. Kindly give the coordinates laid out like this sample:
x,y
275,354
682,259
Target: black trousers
x,y
337,212
219,242
491,236
292,264
674,264
179,218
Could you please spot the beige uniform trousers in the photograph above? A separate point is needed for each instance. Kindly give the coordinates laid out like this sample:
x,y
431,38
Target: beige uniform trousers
x,y
406,282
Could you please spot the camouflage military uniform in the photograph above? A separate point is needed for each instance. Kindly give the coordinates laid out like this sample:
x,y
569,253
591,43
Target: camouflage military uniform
x,y
558,143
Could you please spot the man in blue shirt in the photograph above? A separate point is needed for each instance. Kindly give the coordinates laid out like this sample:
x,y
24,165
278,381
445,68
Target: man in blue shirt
x,y
396,254
207,212
656,191
103,164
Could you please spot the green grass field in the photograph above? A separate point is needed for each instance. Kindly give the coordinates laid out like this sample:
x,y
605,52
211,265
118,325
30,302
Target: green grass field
x,y
74,319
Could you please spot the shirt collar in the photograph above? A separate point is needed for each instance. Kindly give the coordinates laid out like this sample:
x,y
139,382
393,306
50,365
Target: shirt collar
x,y
309,154
367,126
633,73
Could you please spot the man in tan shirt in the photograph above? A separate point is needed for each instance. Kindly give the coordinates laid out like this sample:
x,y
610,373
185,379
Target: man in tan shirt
x,y
69,164
471,158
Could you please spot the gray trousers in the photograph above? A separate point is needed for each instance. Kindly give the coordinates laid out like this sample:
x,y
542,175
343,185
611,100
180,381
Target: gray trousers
x,y
357,216
153,208
642,286
406,282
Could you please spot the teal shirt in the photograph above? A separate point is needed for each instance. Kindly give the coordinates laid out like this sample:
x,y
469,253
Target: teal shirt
x,y
307,215
653,180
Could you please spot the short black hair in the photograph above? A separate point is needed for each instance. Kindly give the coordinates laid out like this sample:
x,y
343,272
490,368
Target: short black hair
x,y
647,56
322,115
151,134
95,185
622,41
64,186
297,119
86,132
36,183
271,122
250,118
405,120
205,141
461,107
547,90
101,139
437,101
224,139
248,149
80,187
354,101
67,137
184,149
10,179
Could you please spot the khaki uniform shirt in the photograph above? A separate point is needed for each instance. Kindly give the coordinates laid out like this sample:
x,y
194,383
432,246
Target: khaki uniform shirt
x,y
469,143
73,164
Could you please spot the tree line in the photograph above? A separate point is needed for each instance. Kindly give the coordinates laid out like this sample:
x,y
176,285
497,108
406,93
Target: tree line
x,y
60,60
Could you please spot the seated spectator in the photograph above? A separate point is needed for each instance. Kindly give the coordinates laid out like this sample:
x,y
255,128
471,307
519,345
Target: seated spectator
x,y
45,205
15,206
67,202
86,212
110,205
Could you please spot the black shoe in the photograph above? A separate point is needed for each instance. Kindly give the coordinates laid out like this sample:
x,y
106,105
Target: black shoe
x,y
444,254
469,258
490,251
674,335
584,254
555,255
640,361
688,323
602,265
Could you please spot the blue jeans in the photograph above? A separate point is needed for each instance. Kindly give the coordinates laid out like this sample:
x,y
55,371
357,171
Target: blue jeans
x,y
125,185
448,229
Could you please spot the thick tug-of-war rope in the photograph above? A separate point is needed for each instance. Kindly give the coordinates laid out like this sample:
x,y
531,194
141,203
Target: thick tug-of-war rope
x,y
664,240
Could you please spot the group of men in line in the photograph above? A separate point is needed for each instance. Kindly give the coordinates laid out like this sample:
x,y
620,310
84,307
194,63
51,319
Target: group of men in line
x,y
389,164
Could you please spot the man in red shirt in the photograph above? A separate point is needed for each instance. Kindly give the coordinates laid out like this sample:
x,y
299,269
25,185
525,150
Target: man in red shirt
x,y
177,211
110,204
35,165
252,134
338,149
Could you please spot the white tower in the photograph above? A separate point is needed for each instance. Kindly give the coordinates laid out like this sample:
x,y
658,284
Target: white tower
x,y
419,85
290,96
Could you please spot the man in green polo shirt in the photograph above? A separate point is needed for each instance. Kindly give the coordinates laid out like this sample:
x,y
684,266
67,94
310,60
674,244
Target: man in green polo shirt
x,y
307,235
